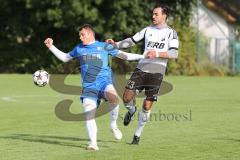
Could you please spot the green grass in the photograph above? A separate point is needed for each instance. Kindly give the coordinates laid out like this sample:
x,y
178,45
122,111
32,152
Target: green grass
x,y
29,128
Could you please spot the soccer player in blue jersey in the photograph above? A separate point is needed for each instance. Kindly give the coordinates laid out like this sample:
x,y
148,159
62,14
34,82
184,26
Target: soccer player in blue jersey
x,y
96,77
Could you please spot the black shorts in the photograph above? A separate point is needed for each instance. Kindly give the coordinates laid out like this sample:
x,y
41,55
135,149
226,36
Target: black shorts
x,y
149,81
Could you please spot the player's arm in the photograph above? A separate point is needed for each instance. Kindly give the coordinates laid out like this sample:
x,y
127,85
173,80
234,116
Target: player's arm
x,y
59,54
170,54
129,56
128,42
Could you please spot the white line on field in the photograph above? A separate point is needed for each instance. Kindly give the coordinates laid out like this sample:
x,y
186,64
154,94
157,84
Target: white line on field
x,y
18,98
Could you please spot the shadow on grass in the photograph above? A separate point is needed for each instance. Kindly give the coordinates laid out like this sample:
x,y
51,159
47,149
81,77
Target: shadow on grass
x,y
128,143
53,140
229,139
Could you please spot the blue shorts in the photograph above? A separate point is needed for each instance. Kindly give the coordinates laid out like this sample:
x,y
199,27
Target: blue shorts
x,y
95,90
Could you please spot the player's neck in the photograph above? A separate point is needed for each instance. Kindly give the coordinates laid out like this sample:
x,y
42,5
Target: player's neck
x,y
161,25
89,42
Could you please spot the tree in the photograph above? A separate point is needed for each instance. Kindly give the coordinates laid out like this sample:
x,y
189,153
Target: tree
x,y
26,23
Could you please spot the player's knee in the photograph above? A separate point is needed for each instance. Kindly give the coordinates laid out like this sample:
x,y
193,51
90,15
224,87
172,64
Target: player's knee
x,y
128,96
147,108
147,105
126,99
113,99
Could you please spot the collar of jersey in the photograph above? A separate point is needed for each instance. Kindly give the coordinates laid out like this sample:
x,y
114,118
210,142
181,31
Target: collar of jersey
x,y
161,27
90,43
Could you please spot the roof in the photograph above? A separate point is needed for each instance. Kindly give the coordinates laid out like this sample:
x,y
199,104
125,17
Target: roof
x,y
230,9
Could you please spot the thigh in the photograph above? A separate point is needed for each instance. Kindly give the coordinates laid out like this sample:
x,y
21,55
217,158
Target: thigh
x,y
89,106
128,95
110,94
136,81
152,86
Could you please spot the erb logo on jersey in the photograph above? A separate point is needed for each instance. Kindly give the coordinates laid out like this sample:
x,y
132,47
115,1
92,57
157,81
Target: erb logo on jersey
x,y
155,45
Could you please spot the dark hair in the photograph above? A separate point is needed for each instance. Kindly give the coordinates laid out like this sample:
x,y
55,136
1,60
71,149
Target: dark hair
x,y
164,7
88,27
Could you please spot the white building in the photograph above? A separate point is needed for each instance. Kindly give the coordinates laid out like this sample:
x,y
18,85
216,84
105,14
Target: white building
x,y
218,33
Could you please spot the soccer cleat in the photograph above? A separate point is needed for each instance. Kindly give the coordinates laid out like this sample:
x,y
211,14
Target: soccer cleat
x,y
128,117
117,133
92,147
135,140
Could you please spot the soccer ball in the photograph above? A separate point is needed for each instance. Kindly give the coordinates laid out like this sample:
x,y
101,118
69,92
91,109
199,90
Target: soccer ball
x,y
40,78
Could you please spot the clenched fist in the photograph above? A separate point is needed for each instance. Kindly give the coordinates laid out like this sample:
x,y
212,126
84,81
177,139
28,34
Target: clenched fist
x,y
151,54
111,41
48,42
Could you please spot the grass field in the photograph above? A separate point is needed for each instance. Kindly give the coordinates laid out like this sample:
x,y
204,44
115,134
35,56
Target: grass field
x,y
202,121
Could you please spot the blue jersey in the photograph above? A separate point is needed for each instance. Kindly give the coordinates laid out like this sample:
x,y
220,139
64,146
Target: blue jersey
x,y
93,58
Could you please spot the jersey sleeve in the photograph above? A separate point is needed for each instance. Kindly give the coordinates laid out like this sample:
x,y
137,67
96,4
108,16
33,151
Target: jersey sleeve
x,y
139,36
73,53
173,40
112,50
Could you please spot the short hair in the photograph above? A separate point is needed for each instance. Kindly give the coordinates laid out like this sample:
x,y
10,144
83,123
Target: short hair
x,y
164,7
88,27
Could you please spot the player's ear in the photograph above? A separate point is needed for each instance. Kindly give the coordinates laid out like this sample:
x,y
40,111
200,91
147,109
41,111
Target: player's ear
x,y
88,33
165,16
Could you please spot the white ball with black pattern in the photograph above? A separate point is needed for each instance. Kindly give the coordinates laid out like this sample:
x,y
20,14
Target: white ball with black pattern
x,y
40,78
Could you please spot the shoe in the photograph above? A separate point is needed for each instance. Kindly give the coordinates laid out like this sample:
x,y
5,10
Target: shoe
x,y
117,133
128,117
135,140
92,147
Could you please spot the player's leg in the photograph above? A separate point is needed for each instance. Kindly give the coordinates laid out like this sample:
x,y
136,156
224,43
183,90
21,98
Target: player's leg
x,y
153,82
129,100
90,106
130,105
112,97
129,94
142,120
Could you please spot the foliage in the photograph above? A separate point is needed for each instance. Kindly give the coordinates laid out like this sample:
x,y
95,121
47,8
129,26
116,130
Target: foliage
x,y
26,23
192,58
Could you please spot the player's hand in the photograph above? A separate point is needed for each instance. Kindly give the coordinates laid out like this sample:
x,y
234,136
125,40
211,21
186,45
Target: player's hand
x,y
111,41
48,42
151,54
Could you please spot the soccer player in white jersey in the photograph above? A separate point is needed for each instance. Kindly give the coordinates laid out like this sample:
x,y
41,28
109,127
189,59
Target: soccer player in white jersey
x,y
161,44
96,78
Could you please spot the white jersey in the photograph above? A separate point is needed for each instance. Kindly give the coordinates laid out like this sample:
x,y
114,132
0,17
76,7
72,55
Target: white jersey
x,y
161,39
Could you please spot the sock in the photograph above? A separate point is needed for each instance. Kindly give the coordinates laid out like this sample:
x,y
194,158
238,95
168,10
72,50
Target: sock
x,y
92,131
114,115
90,105
143,118
131,106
